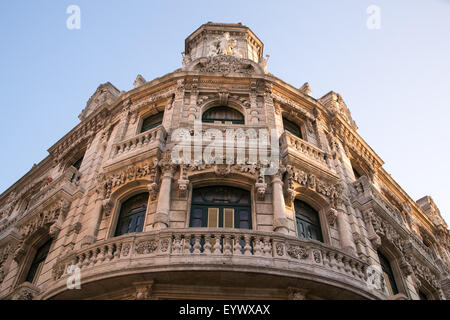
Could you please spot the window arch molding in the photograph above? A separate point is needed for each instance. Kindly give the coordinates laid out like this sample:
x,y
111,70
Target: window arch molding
x,y
296,120
394,256
320,205
154,111
230,103
210,180
119,196
31,246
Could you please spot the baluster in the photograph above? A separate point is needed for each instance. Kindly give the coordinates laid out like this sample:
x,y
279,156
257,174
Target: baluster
x,y
237,248
258,251
227,245
118,248
95,256
207,245
333,262
247,247
267,248
187,244
109,254
346,263
85,260
217,247
339,263
102,254
197,245
176,248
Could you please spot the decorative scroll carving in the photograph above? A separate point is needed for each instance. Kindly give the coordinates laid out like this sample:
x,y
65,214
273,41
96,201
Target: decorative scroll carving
x,y
225,65
146,247
331,216
297,252
334,193
106,182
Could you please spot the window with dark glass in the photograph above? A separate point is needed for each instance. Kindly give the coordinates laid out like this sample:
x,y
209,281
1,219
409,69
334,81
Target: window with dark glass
x,y
221,207
356,173
292,128
152,121
38,262
388,274
132,215
223,114
76,165
422,295
308,223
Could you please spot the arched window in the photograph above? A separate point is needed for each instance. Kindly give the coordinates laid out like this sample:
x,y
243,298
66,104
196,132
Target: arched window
x,y
221,207
388,274
223,114
292,128
38,262
152,121
308,223
77,164
132,215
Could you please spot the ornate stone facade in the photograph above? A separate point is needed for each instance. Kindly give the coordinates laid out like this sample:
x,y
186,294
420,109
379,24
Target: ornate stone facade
x,y
361,210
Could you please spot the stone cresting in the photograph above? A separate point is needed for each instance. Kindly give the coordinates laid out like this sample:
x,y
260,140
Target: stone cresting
x,y
361,210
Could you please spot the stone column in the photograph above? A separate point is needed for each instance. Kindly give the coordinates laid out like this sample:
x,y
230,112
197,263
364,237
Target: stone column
x,y
92,226
161,220
280,222
345,232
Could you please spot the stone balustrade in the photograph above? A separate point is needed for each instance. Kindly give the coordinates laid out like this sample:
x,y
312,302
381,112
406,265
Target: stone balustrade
x,y
140,142
422,249
207,247
68,181
288,141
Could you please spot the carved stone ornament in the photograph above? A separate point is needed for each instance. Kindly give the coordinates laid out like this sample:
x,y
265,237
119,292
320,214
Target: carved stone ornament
x,y
153,189
139,81
107,205
297,252
334,193
297,294
106,182
331,216
225,65
182,187
143,290
406,268
261,190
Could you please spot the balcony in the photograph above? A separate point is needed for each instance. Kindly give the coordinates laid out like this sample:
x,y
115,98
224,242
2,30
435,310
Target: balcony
x,y
141,143
203,249
290,144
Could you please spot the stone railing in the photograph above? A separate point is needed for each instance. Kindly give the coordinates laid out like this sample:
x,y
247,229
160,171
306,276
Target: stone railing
x,y
68,181
200,247
426,252
305,149
141,142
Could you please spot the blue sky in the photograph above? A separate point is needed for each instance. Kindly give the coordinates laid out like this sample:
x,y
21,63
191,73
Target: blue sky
x,y
395,80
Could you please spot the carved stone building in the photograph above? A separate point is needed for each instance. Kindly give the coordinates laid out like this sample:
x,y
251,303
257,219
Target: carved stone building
x,y
112,205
